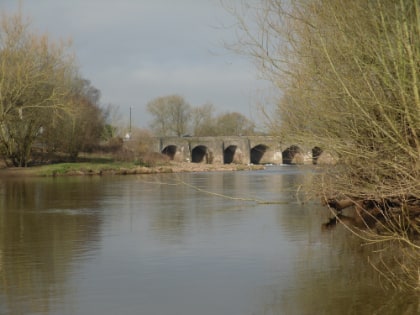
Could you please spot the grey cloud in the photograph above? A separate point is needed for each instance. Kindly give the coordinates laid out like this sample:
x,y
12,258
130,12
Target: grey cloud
x,y
136,50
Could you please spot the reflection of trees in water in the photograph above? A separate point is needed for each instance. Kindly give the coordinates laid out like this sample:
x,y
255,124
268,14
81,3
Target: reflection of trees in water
x,y
333,276
321,302
44,226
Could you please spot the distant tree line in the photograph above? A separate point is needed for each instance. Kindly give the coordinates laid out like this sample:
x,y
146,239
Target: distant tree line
x,y
174,116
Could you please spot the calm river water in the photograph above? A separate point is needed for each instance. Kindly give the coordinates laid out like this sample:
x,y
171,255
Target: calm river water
x,y
154,245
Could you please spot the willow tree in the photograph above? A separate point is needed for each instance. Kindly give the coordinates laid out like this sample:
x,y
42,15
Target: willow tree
x,y
36,78
348,74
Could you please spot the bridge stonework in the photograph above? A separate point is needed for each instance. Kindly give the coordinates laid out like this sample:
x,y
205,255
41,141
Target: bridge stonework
x,y
233,149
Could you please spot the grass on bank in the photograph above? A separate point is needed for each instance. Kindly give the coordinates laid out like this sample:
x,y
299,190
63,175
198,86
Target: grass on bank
x,y
78,168
88,164
81,168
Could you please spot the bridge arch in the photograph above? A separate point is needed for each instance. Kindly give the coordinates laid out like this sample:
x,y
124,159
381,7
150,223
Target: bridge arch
x,y
316,153
233,154
229,154
258,152
240,149
170,151
293,155
201,154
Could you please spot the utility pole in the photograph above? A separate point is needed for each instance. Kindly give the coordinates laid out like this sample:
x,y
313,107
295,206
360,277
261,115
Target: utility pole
x,y
128,135
130,122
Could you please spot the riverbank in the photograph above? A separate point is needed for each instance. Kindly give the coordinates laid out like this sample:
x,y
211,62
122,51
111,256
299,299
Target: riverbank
x,y
90,169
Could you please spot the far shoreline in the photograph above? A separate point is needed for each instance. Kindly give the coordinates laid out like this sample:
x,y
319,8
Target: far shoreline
x,y
101,169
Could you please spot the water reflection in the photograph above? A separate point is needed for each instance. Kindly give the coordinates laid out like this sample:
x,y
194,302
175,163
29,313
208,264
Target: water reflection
x,y
172,244
43,228
333,276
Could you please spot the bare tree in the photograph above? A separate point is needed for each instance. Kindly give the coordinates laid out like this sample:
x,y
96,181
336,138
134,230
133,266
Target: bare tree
x,y
35,86
170,115
81,127
113,123
203,122
348,73
233,124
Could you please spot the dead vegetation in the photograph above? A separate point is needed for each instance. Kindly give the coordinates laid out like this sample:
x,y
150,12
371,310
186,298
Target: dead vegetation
x,y
348,78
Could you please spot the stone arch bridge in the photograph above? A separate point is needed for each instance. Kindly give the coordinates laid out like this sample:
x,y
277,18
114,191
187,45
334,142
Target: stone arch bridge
x,y
235,149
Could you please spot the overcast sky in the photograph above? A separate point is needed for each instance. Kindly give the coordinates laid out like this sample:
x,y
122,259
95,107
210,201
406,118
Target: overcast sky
x,y
136,50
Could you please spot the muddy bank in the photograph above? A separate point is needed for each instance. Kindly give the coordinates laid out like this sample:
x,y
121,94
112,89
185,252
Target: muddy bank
x,y
177,168
109,169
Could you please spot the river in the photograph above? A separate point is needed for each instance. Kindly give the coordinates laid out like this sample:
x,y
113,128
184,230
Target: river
x,y
181,244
